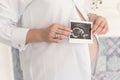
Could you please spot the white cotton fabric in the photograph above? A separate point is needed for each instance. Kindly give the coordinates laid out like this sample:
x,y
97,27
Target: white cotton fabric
x,y
43,60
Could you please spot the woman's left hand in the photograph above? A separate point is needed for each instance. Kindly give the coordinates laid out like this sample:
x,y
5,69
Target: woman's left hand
x,y
100,25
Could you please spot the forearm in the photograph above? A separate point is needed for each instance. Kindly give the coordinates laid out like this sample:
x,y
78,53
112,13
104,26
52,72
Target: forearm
x,y
34,35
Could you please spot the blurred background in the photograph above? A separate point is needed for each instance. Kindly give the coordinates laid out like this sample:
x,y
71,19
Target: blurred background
x,y
107,66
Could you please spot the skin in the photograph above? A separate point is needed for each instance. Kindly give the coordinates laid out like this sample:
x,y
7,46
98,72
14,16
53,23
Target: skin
x,y
100,27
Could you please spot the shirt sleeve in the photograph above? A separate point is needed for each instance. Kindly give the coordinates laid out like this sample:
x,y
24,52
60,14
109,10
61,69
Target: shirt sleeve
x,y
10,33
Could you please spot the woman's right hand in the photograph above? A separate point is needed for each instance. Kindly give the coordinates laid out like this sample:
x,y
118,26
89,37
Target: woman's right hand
x,y
54,33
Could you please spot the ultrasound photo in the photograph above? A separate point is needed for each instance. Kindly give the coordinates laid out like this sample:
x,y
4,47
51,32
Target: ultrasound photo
x,y
81,31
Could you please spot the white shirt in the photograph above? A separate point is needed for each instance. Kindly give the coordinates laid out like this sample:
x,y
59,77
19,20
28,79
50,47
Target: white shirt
x,y
45,61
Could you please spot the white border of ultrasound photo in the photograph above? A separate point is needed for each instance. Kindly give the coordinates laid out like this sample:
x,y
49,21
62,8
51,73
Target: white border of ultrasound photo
x,y
79,40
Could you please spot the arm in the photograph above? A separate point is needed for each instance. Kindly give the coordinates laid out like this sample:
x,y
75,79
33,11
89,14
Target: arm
x,y
47,34
17,36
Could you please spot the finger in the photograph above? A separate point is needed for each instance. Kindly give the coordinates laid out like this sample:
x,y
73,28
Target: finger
x,y
58,26
61,37
100,27
53,40
65,28
56,40
63,32
96,24
104,31
105,27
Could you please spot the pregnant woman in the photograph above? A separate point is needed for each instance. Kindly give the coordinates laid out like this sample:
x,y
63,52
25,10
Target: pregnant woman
x,y
39,29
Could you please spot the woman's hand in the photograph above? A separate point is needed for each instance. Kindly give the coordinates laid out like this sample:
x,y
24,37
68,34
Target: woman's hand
x,y
100,25
54,33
